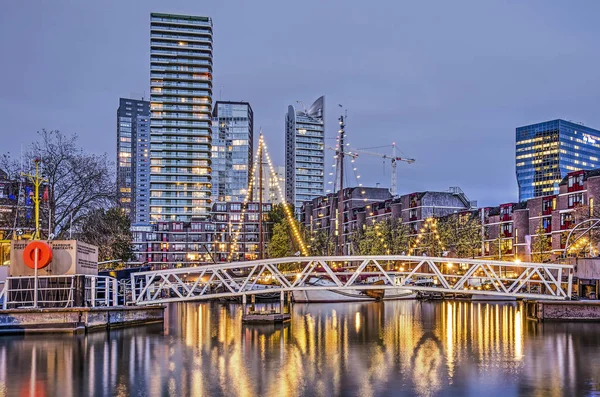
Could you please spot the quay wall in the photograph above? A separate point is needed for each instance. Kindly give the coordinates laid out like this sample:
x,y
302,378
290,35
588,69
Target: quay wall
x,y
563,311
76,320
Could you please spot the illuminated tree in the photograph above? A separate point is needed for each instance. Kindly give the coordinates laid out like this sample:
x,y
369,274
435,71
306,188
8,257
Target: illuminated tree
x,y
428,241
540,245
461,234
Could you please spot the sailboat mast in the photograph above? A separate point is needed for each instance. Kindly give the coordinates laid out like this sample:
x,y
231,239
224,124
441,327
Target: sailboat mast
x,y
340,160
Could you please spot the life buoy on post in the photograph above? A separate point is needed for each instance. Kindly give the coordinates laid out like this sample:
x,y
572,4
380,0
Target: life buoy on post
x,y
44,254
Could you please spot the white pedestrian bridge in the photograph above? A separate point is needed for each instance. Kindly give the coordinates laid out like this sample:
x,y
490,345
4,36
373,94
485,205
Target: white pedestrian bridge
x,y
415,273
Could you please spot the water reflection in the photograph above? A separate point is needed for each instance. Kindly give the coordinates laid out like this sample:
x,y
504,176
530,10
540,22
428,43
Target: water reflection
x,y
363,349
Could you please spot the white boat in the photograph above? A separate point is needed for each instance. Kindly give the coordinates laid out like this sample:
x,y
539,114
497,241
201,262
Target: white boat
x,y
483,298
324,295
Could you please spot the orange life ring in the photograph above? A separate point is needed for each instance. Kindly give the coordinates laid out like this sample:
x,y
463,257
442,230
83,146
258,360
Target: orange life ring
x,y
44,254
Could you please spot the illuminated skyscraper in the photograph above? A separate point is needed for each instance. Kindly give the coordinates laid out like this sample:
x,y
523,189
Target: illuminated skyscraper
x,y
133,158
181,99
304,153
232,150
546,152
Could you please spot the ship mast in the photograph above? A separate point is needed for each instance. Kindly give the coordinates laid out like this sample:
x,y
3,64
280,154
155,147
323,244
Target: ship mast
x,y
340,165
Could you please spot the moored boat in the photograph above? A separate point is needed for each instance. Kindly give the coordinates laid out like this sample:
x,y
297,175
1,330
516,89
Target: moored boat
x,y
366,295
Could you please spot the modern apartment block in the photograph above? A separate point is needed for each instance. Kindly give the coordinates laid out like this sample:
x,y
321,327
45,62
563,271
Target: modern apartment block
x,y
546,152
304,153
177,244
232,150
133,158
180,102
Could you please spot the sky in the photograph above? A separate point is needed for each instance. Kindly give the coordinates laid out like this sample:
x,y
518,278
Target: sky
x,y
448,81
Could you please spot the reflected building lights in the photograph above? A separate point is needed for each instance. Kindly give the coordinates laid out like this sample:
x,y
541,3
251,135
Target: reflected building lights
x,y
414,348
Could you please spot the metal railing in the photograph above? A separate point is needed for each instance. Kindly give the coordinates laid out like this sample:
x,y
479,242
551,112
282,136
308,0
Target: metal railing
x,y
426,274
59,291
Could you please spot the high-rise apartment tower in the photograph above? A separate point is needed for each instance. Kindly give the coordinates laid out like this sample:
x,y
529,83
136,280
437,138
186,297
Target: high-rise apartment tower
x,y
133,158
180,102
232,150
304,153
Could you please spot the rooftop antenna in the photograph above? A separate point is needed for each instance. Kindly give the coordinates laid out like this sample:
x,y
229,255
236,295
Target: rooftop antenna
x,y
302,103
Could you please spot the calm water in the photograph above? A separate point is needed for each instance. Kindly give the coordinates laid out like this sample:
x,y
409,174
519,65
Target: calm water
x,y
364,349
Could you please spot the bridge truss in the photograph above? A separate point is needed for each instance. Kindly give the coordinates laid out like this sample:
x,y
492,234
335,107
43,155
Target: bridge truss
x,y
430,274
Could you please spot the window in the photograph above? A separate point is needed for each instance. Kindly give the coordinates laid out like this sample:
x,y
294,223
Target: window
x,y
575,200
566,220
412,214
548,205
547,224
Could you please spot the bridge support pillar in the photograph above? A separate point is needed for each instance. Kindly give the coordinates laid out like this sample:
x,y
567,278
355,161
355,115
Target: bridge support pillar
x,y
282,302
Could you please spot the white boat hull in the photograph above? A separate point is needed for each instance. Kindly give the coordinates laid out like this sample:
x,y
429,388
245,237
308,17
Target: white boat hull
x,y
327,296
477,297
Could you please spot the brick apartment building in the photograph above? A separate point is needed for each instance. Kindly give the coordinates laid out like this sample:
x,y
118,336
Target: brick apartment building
x,y
365,206
517,223
176,244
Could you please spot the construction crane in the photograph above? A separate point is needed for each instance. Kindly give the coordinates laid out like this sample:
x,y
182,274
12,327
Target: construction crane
x,y
393,158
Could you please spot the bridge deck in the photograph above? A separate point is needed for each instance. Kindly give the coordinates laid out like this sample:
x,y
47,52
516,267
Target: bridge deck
x,y
443,275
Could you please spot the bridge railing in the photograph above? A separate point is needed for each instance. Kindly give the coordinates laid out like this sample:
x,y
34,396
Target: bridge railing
x,y
59,291
431,274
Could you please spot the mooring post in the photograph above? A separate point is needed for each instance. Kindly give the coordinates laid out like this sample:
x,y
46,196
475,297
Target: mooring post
x,y
282,301
252,301
244,304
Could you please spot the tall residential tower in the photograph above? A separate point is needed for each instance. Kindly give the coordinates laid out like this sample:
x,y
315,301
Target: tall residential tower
x,y
232,150
304,153
181,98
133,158
546,152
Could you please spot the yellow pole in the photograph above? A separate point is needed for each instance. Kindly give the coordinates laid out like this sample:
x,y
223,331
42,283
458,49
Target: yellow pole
x,y
36,200
37,181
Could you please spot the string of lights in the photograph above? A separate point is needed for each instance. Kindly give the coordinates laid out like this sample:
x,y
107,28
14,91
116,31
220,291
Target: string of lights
x,y
430,227
234,242
286,208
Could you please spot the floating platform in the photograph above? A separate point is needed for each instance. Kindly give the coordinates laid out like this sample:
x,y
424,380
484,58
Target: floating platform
x,y
563,310
77,320
265,318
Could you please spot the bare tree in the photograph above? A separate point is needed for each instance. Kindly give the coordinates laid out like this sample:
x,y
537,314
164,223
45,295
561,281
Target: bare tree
x,y
77,182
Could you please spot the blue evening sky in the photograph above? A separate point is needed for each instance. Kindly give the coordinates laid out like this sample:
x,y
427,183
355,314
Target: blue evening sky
x,y
447,80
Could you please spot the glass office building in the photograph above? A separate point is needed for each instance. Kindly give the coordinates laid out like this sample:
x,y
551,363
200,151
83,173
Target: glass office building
x,y
232,150
546,152
304,153
180,125
133,161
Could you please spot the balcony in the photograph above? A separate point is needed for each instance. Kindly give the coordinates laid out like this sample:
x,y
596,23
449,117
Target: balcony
x,y
547,211
507,234
505,217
